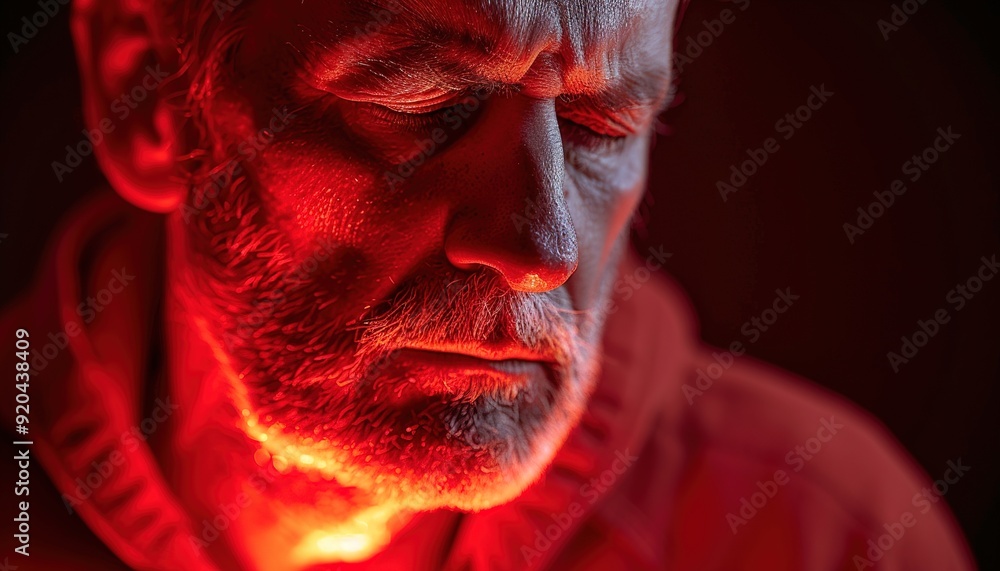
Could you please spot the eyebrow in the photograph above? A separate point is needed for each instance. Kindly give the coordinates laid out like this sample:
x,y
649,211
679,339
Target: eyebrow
x,y
409,74
447,59
648,88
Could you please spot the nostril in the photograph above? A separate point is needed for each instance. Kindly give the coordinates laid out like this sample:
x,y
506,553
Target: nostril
x,y
525,274
531,262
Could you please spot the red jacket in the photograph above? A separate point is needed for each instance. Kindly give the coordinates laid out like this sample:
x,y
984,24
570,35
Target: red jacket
x,y
689,458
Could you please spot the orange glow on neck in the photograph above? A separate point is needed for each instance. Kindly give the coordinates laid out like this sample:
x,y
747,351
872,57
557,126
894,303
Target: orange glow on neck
x,y
311,536
355,540
276,446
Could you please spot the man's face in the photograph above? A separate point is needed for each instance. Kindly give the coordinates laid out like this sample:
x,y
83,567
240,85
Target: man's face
x,y
405,277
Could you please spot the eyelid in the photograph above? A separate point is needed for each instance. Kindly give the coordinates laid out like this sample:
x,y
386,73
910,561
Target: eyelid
x,y
603,122
424,104
392,117
410,120
418,107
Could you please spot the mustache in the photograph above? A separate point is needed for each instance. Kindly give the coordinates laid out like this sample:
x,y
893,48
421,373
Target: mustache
x,y
447,308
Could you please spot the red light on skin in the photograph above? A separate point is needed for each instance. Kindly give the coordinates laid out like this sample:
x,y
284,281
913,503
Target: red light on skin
x,y
350,542
306,539
306,532
534,282
432,372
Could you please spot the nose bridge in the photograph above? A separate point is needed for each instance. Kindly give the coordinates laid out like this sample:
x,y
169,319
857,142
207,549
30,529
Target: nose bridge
x,y
511,210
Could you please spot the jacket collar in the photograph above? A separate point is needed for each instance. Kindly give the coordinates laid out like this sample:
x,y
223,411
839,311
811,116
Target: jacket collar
x,y
92,314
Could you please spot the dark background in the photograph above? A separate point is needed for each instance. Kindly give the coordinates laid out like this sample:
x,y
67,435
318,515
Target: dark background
x,y
782,229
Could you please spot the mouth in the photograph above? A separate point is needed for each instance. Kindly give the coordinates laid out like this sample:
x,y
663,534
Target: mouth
x,y
494,352
467,371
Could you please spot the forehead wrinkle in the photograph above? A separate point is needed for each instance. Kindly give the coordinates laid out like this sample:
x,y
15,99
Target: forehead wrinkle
x,y
509,34
426,49
586,39
597,38
484,41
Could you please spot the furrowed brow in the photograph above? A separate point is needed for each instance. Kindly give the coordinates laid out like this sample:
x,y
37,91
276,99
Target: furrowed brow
x,y
649,90
428,59
435,63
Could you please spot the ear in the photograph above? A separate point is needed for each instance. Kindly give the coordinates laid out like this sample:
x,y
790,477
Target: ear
x,y
127,75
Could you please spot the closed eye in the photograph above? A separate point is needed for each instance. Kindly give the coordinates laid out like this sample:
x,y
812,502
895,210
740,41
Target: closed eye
x,y
405,120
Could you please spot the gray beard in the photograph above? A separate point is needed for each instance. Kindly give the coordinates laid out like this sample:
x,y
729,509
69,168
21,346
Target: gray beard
x,y
316,385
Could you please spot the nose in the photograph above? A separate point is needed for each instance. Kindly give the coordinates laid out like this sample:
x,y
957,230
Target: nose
x,y
511,214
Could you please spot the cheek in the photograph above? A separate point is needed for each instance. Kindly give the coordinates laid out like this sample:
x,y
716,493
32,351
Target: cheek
x,y
629,182
604,192
313,189
320,192
607,190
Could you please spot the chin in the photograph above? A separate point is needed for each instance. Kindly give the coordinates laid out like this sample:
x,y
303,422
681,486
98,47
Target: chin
x,y
428,450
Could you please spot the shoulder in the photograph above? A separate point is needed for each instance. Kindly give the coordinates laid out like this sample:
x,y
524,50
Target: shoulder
x,y
769,470
791,462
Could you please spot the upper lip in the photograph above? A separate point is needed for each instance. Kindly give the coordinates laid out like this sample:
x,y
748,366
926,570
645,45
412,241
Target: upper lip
x,y
501,351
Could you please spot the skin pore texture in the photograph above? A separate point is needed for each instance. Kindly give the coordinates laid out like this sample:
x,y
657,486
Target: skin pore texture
x,y
388,273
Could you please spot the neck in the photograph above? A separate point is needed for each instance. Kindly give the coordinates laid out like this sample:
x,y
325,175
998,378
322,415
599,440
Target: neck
x,y
250,504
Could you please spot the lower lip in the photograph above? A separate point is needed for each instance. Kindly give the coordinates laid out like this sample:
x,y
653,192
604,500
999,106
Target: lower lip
x,y
429,373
